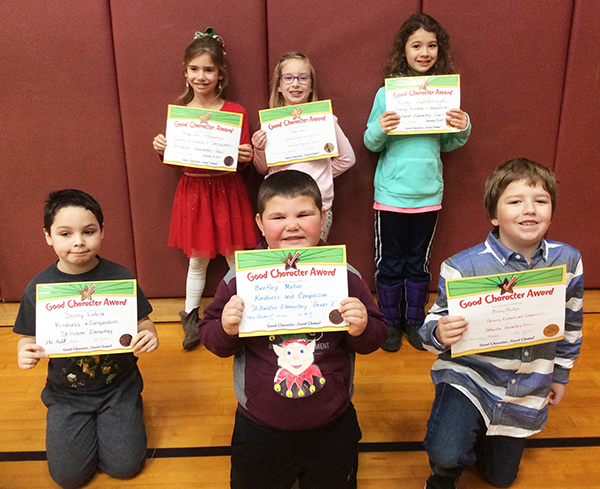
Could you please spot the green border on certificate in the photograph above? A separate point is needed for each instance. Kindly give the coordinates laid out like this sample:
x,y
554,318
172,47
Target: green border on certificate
x,y
202,138
309,108
193,113
422,102
318,255
292,290
508,310
462,287
86,318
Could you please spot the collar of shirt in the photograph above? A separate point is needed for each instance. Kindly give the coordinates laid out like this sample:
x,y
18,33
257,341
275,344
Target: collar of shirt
x,y
504,254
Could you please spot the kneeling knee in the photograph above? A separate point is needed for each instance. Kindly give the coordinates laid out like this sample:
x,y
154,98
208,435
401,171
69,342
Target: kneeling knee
x,y
124,469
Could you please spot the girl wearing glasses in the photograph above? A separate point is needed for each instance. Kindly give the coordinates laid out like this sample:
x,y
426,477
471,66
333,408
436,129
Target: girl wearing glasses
x,y
295,82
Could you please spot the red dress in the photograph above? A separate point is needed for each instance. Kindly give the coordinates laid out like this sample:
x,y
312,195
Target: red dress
x,y
212,213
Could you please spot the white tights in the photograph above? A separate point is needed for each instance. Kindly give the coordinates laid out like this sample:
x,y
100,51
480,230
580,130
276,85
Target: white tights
x,y
196,280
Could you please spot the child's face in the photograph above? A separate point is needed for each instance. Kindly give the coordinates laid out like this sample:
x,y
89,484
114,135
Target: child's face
x,y
203,75
294,222
421,50
75,236
295,92
523,216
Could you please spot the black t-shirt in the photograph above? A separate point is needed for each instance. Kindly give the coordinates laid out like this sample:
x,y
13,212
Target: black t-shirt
x,y
83,373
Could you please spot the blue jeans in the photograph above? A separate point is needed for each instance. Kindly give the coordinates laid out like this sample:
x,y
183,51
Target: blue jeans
x,y
456,439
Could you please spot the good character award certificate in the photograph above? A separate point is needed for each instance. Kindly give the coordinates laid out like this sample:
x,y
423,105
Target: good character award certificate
x,y
292,290
299,133
202,138
74,319
422,102
509,310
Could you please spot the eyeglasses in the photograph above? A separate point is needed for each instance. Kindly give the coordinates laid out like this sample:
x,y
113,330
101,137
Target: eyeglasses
x,y
289,79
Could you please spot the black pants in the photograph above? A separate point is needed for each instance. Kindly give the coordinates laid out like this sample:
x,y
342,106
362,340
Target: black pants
x,y
403,246
323,458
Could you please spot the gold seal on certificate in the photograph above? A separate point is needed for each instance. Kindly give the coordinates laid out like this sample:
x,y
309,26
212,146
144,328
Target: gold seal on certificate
x,y
200,138
289,291
509,310
298,133
74,319
422,102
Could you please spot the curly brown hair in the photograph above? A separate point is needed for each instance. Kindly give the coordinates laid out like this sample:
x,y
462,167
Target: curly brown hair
x,y
397,66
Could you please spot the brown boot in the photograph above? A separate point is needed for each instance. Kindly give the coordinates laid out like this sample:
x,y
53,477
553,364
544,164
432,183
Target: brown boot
x,y
191,328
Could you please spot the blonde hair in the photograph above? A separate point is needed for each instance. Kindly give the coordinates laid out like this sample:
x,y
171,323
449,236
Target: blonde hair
x,y
276,99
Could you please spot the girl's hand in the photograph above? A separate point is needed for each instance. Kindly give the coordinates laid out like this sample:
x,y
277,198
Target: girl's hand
x,y
160,144
457,119
355,314
450,329
28,353
389,120
244,153
259,140
231,317
144,342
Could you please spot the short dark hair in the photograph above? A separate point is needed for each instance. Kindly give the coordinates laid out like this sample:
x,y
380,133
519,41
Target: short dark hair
x,y
512,171
288,183
70,198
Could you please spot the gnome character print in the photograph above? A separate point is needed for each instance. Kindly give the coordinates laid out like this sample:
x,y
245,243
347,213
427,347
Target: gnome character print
x,y
297,376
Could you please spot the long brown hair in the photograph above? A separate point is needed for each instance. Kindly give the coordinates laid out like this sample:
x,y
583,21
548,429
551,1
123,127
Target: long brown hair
x,y
214,48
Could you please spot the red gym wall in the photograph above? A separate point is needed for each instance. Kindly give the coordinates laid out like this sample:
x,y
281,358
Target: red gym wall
x,y
85,86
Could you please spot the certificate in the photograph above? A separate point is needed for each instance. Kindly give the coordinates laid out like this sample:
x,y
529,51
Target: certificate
x,y
509,310
299,133
422,102
82,318
292,290
202,138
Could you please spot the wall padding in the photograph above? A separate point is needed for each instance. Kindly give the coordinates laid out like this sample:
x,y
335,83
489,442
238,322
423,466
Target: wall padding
x,y
61,129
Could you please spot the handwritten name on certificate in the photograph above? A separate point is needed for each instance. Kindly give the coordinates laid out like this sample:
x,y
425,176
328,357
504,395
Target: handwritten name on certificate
x,y
509,310
292,290
74,319
422,102
202,138
298,133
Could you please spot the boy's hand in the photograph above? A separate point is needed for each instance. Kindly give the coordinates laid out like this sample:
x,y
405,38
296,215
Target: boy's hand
x,y
389,120
28,353
144,342
231,317
244,153
259,140
457,119
147,338
160,144
557,392
355,314
450,329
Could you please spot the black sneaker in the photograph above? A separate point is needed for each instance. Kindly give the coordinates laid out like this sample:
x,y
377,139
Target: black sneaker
x,y
412,332
394,340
